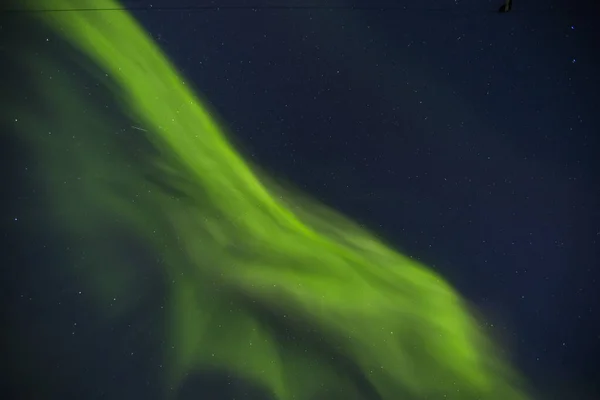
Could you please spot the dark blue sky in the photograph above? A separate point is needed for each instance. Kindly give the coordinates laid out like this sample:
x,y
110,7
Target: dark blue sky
x,y
467,138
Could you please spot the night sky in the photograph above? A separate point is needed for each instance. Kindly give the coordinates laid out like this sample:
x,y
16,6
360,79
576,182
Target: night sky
x,y
464,137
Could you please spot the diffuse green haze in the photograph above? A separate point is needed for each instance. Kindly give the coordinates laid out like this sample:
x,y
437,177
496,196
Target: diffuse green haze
x,y
261,281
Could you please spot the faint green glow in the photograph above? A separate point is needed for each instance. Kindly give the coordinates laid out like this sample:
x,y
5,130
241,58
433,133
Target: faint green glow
x,y
245,262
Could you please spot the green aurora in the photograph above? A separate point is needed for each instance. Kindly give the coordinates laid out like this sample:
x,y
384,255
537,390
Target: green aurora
x,y
260,280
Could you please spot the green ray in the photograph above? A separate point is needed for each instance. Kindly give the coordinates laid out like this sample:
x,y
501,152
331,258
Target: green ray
x,y
261,281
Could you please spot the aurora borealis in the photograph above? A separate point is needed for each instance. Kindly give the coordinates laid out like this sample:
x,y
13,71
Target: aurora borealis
x,y
260,280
